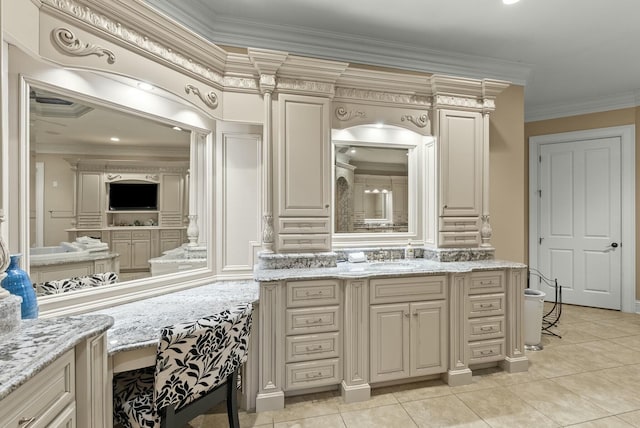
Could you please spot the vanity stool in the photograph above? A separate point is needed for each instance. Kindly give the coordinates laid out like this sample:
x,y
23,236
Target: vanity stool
x,y
196,367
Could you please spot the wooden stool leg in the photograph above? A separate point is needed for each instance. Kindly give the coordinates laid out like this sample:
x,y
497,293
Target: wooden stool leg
x,y
232,400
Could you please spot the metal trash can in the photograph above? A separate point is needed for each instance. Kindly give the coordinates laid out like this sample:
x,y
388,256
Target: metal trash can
x,y
533,307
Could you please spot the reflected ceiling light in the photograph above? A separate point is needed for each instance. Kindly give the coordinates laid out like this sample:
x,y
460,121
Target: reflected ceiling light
x,y
115,139
145,86
510,1
352,150
375,191
379,125
177,128
385,191
367,191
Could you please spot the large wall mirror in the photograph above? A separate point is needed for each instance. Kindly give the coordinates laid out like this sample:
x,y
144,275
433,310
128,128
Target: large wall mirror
x,y
112,181
377,185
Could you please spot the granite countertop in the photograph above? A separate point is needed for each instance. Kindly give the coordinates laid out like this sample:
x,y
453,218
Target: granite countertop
x,y
82,256
137,324
35,344
394,268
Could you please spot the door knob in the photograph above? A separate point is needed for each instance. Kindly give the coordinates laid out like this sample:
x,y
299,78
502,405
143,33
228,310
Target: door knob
x,y
614,245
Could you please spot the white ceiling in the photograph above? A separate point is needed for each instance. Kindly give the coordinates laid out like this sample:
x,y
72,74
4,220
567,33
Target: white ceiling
x,y
574,56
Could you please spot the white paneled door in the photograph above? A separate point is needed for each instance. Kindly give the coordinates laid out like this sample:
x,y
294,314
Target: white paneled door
x,y
580,220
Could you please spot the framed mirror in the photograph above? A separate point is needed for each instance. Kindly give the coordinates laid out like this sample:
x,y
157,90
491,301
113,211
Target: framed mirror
x,y
378,186
112,177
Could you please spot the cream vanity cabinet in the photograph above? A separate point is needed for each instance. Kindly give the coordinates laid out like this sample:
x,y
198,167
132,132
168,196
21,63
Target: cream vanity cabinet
x,y
408,327
90,195
486,317
303,173
172,195
133,246
461,139
70,392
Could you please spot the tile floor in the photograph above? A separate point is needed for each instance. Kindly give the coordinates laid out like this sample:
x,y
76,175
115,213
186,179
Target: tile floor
x,y
589,379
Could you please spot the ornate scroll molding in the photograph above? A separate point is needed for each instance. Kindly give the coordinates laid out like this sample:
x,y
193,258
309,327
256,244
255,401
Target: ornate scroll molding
x,y
388,97
210,98
267,83
306,86
70,44
419,121
485,231
267,232
343,114
465,102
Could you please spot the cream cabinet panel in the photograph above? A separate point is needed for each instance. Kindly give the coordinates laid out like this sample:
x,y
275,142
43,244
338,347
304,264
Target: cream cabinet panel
x,y
90,197
389,327
461,151
123,248
140,254
303,156
171,200
428,337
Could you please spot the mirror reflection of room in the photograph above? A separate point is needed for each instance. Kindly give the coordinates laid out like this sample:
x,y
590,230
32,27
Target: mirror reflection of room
x,y
109,193
371,189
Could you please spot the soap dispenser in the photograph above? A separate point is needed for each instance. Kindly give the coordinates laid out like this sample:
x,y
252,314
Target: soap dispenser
x,y
409,252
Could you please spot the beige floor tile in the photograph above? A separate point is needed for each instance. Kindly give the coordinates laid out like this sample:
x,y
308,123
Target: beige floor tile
x,y
330,421
478,382
379,417
608,422
500,408
378,398
602,392
613,351
632,342
418,390
632,418
504,378
217,418
625,376
447,411
558,403
600,329
308,406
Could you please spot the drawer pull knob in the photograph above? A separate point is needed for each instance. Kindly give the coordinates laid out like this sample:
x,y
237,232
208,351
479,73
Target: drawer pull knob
x,y
26,422
486,328
486,282
486,305
316,294
313,375
316,348
487,352
406,314
315,321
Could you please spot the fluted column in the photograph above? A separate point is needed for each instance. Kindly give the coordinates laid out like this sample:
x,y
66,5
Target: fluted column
x,y
267,84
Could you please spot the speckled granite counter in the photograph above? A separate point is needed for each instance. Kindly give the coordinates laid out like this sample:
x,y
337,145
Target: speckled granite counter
x,y
402,267
35,344
82,256
137,325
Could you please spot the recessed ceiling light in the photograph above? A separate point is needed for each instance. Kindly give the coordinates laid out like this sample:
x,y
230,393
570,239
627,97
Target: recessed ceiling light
x,y
115,139
510,1
144,85
379,125
352,150
177,128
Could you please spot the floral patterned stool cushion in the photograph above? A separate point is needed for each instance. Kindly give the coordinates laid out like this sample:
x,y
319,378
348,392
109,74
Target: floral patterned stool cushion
x,y
75,283
196,367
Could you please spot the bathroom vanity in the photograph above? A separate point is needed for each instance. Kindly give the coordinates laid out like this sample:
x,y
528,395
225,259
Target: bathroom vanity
x,y
362,325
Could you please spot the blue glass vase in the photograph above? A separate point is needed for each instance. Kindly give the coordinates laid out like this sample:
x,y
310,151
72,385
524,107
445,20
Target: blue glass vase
x,y
17,282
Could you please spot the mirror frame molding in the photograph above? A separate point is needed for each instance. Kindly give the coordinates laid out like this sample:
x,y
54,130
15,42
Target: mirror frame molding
x,y
176,111
415,192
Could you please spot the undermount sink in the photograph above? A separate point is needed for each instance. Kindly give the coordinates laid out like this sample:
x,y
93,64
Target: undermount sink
x,y
392,265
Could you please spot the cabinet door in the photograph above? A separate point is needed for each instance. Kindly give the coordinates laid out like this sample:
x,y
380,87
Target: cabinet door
x,y
171,200
90,197
140,254
389,342
428,337
123,248
461,151
303,156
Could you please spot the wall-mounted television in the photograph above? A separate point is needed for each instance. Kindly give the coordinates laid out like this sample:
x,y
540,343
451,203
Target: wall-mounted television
x,y
133,196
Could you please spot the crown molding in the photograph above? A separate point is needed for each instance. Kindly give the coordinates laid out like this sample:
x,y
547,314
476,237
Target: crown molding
x,y
584,106
341,47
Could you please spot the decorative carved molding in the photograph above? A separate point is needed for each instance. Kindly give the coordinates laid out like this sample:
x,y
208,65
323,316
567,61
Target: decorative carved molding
x,y
419,121
210,98
364,94
485,231
154,177
111,177
239,83
306,86
64,39
343,114
267,232
475,103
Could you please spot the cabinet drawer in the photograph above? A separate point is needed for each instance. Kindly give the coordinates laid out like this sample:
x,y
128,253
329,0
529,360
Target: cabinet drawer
x,y
312,347
486,351
303,242
121,234
170,234
304,225
487,282
459,224
486,305
43,397
312,320
313,373
459,239
393,290
486,328
312,293
141,234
